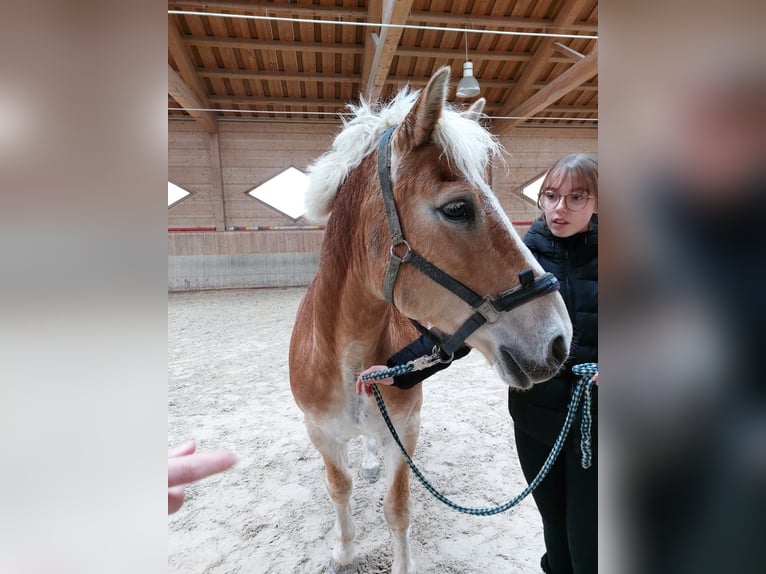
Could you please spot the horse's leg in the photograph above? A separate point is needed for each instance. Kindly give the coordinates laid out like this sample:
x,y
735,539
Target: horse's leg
x,y
339,484
396,505
371,464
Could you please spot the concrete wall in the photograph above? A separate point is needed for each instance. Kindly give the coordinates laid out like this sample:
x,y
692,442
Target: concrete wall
x,y
238,259
220,169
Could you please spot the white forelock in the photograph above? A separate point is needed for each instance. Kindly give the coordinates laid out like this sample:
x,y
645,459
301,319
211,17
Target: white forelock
x,y
466,144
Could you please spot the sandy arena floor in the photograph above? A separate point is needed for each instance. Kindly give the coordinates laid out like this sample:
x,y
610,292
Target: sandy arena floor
x,y
228,388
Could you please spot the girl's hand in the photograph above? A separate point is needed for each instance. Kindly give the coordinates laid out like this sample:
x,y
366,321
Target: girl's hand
x,y
365,385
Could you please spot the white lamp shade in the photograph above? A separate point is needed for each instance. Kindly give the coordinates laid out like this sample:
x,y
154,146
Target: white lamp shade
x,y
468,86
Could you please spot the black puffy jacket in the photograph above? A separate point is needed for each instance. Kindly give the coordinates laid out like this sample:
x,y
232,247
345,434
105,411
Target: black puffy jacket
x,y
574,261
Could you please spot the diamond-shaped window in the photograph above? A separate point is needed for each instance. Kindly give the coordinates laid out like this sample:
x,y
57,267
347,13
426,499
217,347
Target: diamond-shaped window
x,y
176,194
532,189
284,192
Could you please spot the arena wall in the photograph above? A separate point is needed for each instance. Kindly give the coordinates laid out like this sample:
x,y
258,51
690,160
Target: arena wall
x,y
218,170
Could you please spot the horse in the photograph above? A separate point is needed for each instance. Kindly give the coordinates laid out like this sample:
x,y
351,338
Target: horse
x,y
350,317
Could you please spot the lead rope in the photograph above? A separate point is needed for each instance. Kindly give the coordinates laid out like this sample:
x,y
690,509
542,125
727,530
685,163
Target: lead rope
x,y
414,365
582,387
584,370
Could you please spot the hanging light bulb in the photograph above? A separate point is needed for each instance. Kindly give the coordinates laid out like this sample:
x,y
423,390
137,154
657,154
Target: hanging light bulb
x,y
468,86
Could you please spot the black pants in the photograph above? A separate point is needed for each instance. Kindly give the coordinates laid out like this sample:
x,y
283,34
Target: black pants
x,y
568,502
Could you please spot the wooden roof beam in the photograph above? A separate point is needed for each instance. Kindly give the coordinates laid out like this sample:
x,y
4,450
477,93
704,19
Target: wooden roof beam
x,y
187,83
188,100
568,14
186,67
394,12
476,55
256,75
371,40
278,45
502,22
272,9
392,81
579,73
296,47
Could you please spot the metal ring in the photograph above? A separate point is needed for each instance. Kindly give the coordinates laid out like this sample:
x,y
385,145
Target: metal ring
x,y
402,242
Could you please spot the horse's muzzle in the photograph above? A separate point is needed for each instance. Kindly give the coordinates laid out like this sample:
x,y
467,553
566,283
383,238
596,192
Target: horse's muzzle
x,y
521,373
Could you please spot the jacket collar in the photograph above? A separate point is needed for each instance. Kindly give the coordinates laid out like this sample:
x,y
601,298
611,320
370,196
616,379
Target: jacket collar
x,y
540,236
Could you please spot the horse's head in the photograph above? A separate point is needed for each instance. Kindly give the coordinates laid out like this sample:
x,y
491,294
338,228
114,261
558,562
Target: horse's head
x,y
448,214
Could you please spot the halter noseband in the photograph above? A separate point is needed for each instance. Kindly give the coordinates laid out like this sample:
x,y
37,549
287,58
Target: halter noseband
x,y
486,309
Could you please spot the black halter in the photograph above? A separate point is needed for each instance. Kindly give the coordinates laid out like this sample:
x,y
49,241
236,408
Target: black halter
x,y
486,309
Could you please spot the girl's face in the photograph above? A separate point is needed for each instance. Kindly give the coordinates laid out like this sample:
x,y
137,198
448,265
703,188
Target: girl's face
x,y
556,203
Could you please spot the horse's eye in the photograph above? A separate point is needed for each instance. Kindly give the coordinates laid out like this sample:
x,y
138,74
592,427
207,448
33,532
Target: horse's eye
x,y
457,211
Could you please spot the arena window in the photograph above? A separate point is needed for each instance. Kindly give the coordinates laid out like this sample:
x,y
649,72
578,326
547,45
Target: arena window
x,y
284,192
176,194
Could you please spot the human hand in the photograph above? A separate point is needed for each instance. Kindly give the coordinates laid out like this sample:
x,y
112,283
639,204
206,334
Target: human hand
x,y
185,466
366,385
595,379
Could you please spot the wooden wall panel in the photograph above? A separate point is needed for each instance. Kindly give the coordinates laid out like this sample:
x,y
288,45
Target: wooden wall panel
x,y
252,153
531,151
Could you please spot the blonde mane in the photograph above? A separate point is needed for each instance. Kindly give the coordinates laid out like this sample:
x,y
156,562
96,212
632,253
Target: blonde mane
x,y
466,144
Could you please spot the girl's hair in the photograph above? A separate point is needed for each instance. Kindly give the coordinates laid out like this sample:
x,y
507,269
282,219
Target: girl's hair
x,y
582,167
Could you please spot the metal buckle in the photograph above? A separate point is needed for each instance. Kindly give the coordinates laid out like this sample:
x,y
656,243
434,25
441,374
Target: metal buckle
x,y
488,310
439,355
426,361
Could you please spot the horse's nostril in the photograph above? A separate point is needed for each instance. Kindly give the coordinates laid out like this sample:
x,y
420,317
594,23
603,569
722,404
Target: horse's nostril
x,y
559,350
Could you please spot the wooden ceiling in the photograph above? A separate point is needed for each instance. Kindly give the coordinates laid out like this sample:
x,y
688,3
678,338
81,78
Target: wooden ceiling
x,y
304,60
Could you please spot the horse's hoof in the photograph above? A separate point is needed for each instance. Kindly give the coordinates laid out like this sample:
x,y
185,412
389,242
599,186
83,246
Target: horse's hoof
x,y
335,568
371,474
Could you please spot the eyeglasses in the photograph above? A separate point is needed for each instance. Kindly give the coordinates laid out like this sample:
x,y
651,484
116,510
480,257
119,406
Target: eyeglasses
x,y
572,201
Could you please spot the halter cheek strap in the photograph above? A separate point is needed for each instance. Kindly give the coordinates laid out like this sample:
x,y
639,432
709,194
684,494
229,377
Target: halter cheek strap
x,y
486,309
397,239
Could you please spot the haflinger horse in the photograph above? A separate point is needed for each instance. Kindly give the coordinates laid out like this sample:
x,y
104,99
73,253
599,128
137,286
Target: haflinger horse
x,y
447,213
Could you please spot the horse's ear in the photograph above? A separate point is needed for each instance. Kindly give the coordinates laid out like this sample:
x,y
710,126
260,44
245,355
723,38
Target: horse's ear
x,y
421,120
475,111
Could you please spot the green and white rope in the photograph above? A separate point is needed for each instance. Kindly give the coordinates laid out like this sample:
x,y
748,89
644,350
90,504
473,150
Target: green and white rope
x,y
586,370
582,387
414,365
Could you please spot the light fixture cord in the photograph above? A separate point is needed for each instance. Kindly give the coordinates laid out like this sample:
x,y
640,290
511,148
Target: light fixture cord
x,y
465,33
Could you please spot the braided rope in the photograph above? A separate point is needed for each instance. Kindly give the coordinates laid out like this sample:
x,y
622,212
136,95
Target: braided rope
x,y
414,365
586,370
391,372
583,387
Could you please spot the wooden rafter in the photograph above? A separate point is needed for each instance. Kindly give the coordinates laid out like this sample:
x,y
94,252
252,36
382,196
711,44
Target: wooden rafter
x,y
277,45
371,39
185,97
337,48
337,104
580,72
341,78
568,14
186,84
394,12
502,22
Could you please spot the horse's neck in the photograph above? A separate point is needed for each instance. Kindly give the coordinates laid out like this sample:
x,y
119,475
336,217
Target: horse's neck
x,y
348,310
345,305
